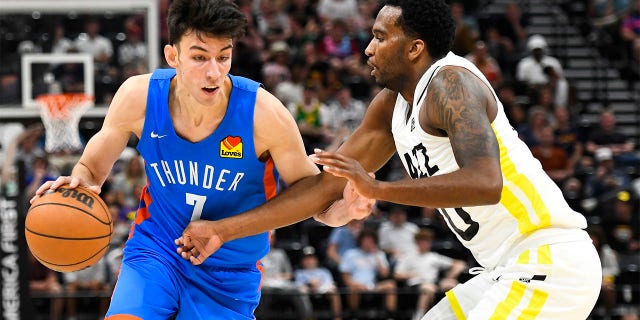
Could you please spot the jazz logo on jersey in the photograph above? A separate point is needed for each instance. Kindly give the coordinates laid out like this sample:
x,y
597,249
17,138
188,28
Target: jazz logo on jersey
x,y
231,147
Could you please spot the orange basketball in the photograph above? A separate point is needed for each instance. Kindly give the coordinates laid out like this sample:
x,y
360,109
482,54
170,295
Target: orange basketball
x,y
68,229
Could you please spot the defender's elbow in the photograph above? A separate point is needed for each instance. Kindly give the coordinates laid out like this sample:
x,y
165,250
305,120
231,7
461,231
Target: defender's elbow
x,y
493,191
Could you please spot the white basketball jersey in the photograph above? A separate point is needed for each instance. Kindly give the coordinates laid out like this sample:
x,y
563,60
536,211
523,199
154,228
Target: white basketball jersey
x,y
531,210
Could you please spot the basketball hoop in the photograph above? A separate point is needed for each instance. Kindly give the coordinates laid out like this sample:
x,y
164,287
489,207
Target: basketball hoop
x,y
60,115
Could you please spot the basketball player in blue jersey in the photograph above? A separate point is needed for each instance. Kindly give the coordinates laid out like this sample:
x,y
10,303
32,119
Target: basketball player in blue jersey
x,y
447,125
214,145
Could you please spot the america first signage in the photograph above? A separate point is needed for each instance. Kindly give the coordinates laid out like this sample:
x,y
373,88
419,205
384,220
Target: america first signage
x,y
14,302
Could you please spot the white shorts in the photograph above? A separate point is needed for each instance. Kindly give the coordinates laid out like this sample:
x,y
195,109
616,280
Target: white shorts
x,y
556,281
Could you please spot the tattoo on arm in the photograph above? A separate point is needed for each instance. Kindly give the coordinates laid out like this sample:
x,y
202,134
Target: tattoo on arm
x,y
457,105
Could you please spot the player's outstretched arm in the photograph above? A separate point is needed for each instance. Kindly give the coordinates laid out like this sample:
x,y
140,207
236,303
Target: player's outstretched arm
x,y
461,106
124,117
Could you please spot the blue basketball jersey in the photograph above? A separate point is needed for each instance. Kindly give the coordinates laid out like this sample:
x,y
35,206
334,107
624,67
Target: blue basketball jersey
x,y
217,177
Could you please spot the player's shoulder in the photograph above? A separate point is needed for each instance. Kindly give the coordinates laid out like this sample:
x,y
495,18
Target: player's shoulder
x,y
244,83
266,100
134,85
130,100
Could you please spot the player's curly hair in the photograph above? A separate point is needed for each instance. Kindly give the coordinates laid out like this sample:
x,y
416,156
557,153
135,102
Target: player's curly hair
x,y
221,18
429,20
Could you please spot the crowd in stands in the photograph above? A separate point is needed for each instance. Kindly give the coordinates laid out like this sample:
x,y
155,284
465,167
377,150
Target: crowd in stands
x,y
310,54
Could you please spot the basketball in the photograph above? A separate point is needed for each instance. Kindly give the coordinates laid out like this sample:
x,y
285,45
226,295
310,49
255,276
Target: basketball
x,y
68,229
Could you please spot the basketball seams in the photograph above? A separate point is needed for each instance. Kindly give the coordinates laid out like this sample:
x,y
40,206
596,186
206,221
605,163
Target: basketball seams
x,y
66,238
74,207
99,201
72,264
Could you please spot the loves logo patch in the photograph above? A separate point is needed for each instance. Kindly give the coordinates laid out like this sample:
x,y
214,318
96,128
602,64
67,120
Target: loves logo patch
x,y
231,147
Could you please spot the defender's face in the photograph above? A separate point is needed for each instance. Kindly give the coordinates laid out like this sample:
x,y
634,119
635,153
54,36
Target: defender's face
x,y
386,51
202,64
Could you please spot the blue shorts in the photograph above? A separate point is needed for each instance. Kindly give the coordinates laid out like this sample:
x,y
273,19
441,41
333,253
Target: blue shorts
x,y
153,287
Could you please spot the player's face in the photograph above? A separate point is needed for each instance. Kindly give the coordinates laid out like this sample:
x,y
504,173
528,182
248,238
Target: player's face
x,y
386,51
202,64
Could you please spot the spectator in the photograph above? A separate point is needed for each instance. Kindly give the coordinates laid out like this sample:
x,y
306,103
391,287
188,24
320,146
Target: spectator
x,y
318,280
45,280
512,27
537,120
529,70
93,280
309,117
344,113
9,133
273,23
276,68
606,12
621,223
466,30
113,258
486,63
342,239
606,135
59,42
277,279
91,41
337,46
573,192
607,177
502,50
554,159
121,224
128,184
69,75
292,90
337,9
25,147
421,272
558,86
134,48
514,111
610,267
397,235
41,173
366,269
568,136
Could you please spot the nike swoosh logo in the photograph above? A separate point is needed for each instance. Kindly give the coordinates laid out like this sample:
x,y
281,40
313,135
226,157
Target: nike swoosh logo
x,y
155,135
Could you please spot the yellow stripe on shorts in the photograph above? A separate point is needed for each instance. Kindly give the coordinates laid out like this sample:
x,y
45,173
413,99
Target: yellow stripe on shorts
x,y
544,256
514,298
535,305
504,308
455,305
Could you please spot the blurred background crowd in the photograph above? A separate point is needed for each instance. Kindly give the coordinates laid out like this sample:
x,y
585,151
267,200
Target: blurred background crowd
x,y
567,73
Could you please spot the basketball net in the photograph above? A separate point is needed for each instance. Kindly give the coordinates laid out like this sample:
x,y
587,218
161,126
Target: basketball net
x,y
61,115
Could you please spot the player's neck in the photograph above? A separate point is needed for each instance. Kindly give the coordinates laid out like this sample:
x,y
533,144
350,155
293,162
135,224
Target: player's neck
x,y
418,69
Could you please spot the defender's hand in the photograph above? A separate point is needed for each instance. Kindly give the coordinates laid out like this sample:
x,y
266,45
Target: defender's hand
x,y
343,166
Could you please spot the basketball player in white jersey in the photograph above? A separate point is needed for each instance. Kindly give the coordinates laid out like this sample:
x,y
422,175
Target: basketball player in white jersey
x,y
445,121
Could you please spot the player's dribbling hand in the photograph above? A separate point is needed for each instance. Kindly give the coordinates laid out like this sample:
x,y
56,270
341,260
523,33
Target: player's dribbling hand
x,y
198,241
62,180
